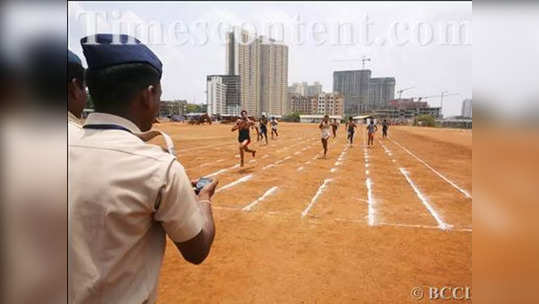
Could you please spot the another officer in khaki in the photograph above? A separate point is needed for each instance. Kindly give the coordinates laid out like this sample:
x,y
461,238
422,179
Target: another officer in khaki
x,y
126,195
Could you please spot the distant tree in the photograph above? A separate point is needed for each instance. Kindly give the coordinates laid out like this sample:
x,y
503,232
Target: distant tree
x,y
193,108
424,121
292,117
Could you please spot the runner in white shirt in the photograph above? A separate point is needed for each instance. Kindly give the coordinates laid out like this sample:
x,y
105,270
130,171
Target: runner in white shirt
x,y
325,129
274,124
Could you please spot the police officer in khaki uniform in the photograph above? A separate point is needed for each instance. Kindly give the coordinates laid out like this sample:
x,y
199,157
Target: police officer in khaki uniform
x,y
125,195
76,90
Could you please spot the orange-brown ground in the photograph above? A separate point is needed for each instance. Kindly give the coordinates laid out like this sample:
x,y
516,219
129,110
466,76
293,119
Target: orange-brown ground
x,y
273,254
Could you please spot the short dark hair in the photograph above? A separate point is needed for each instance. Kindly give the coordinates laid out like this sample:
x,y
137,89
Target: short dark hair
x,y
112,88
76,71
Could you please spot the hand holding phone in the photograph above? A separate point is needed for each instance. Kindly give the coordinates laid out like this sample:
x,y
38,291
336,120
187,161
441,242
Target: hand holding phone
x,y
201,183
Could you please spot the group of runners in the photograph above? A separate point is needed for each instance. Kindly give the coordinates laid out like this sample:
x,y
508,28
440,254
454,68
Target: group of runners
x,y
244,124
351,127
327,128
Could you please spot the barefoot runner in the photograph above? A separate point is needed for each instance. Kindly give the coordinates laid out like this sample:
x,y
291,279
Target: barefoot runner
x,y
324,128
243,125
334,126
274,124
371,128
385,126
351,126
264,128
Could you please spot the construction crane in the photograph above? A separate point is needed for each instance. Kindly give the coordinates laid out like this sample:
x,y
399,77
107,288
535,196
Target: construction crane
x,y
442,95
402,90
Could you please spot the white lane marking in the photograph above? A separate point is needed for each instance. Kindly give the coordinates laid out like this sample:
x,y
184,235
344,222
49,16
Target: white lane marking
x,y
288,157
268,166
297,153
221,171
315,198
234,183
255,202
300,168
265,156
371,214
252,160
218,161
433,170
181,151
307,163
362,200
424,227
441,224
224,207
333,170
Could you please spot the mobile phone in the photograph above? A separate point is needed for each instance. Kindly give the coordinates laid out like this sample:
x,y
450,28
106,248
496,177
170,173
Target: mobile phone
x,y
202,182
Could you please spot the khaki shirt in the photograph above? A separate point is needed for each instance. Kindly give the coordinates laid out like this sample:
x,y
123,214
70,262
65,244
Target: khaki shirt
x,y
72,120
124,195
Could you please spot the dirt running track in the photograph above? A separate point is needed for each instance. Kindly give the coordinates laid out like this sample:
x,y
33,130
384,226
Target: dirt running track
x,y
319,235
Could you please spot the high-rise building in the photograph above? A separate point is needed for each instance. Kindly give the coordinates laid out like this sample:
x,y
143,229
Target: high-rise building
x,y
233,94
354,86
361,92
274,78
305,89
381,91
467,108
243,59
223,94
263,70
215,95
314,89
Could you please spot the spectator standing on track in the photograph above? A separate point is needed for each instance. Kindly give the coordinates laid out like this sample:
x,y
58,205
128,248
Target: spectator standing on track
x,y
126,196
243,125
371,128
385,127
324,128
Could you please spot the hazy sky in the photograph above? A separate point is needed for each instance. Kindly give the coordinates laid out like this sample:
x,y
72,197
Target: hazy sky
x,y
191,46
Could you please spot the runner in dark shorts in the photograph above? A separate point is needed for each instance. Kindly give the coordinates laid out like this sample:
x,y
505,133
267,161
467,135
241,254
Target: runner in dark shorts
x,y
334,126
264,128
243,125
351,126
385,126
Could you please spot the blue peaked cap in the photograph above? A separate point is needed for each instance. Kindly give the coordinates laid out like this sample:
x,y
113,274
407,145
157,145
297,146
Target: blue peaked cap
x,y
72,58
105,50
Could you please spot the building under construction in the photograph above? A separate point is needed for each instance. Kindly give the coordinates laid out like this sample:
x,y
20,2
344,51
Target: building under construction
x,y
407,109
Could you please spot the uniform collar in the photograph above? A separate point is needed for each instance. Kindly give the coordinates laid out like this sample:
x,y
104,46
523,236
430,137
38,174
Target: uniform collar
x,y
73,118
98,118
